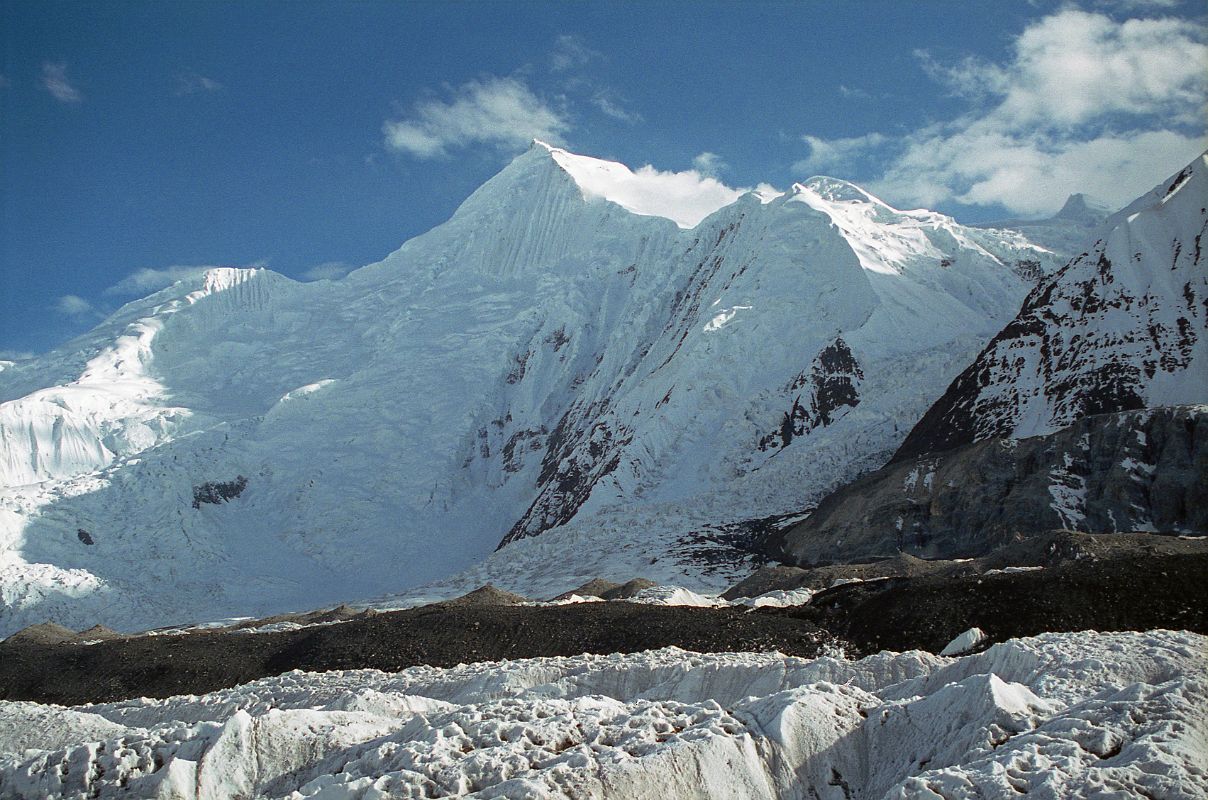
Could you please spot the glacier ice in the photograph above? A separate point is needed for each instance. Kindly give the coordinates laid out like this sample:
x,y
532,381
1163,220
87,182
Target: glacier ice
x,y
1059,715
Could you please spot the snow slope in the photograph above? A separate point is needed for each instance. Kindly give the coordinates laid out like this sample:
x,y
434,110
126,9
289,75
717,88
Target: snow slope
x,y
1059,715
1122,327
564,351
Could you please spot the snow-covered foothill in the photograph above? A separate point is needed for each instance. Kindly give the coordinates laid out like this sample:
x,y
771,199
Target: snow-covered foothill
x,y
1076,715
569,352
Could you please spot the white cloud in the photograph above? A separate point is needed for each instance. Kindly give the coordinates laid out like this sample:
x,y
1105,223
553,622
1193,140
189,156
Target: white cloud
x,y
327,271
71,305
54,80
835,154
853,92
1032,175
148,280
15,355
502,112
571,52
1085,103
1137,5
1075,67
192,83
609,104
710,164
684,197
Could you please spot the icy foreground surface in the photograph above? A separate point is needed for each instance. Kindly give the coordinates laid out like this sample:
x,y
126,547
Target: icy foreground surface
x,y
1055,716
563,353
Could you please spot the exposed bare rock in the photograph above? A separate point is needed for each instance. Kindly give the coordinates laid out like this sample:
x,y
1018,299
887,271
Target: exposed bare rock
x,y
1138,471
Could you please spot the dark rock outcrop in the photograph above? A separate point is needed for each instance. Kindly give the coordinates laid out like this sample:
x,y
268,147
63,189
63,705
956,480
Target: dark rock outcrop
x,y
216,492
1143,471
1120,327
822,394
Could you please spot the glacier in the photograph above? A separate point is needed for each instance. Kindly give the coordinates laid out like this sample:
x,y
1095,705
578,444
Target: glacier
x,y
1069,715
572,354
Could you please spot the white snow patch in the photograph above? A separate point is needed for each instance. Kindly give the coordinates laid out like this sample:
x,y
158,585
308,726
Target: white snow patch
x,y
724,317
1010,570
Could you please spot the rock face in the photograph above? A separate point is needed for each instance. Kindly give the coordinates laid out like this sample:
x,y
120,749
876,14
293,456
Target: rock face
x,y
1123,326
1134,471
1036,433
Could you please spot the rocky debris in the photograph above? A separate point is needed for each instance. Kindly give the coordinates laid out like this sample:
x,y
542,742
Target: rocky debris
x,y
1138,471
596,587
338,614
768,578
1144,589
629,589
786,578
440,635
1035,550
1126,593
487,595
98,633
43,633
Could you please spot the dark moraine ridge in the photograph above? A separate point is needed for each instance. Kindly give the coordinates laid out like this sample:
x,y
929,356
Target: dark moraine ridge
x,y
1123,593
440,635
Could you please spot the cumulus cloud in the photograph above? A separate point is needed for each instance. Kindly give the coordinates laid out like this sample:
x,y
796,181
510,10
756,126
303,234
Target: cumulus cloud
x,y
1075,67
684,197
710,164
70,305
55,81
148,280
192,83
327,271
1085,103
835,155
501,112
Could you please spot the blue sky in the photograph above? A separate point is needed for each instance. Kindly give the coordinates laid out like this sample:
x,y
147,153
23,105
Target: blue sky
x,y
139,141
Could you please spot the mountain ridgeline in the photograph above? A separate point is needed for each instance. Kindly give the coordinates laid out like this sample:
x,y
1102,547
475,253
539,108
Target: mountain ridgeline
x,y
1086,412
567,355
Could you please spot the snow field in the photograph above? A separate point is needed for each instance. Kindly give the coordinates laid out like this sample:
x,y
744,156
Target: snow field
x,y
1058,715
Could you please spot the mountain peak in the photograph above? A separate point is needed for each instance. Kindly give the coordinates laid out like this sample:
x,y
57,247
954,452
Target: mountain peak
x,y
836,190
1080,208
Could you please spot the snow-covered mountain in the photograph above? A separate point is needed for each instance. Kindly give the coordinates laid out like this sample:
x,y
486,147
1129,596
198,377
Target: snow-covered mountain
x,y
1122,327
575,347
